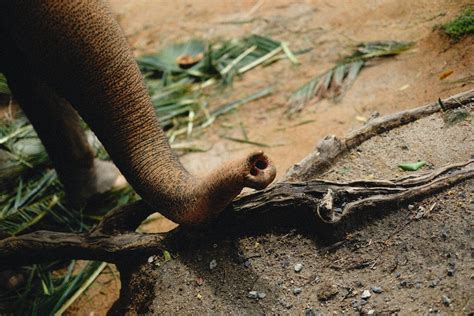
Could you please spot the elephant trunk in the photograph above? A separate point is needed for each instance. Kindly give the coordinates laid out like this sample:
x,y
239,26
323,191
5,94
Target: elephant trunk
x,y
78,49
211,194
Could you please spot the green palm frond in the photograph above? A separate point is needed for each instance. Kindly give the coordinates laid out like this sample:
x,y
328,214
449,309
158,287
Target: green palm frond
x,y
176,89
4,89
20,149
57,290
336,81
32,201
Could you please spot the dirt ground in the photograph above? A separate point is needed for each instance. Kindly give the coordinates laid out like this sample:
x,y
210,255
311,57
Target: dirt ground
x,y
408,263
419,254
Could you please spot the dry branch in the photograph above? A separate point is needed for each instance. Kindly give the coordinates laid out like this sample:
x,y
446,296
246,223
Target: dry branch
x,y
318,201
328,201
42,246
331,147
331,201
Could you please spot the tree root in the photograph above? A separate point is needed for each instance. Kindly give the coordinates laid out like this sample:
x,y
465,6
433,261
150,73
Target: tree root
x,y
325,202
328,201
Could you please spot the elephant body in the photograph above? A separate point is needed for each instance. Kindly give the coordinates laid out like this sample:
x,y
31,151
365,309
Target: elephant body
x,y
67,57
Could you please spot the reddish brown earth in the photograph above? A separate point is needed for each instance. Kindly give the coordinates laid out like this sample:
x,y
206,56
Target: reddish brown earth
x,y
330,28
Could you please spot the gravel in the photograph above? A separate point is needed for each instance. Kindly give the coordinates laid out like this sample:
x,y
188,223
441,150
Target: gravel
x,y
298,267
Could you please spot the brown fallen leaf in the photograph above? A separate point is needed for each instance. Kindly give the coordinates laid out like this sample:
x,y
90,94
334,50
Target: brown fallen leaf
x,y
446,74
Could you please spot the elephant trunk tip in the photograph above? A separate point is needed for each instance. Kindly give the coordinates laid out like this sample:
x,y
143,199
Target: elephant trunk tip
x,y
260,171
217,190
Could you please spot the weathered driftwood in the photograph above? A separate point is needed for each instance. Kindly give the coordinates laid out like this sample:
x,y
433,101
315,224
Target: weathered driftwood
x,y
331,147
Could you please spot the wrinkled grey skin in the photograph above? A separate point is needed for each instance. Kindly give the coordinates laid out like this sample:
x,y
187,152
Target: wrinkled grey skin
x,y
66,56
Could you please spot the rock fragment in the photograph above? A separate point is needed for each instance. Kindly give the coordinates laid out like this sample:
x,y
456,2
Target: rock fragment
x,y
298,267
366,295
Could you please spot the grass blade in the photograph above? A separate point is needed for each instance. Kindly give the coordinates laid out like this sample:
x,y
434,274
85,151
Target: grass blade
x,y
223,109
246,141
289,54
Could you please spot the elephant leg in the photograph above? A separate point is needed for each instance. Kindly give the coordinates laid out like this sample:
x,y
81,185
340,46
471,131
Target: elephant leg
x,y
59,127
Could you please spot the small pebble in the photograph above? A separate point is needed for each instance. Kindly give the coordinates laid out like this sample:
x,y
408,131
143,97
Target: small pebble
x,y
411,207
297,290
298,267
261,295
406,283
433,310
434,283
366,295
247,264
309,312
444,233
355,304
285,304
199,281
377,289
151,259
253,294
212,264
371,312
446,300
451,268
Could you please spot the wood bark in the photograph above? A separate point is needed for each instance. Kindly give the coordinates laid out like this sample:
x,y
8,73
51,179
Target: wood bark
x,y
322,202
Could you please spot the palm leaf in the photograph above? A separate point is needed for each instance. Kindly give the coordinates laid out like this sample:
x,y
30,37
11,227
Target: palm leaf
x,y
4,89
58,291
30,204
177,91
336,81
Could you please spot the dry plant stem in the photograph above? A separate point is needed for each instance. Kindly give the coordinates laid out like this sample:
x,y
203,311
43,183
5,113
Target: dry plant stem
x,y
328,201
331,147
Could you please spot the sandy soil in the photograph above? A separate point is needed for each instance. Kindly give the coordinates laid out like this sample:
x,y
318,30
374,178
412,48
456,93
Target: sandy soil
x,y
330,28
